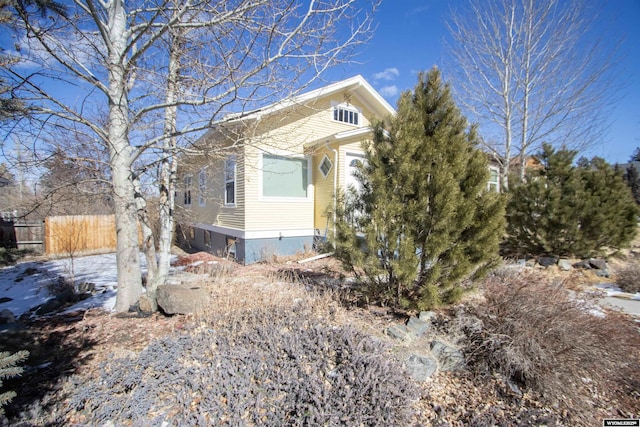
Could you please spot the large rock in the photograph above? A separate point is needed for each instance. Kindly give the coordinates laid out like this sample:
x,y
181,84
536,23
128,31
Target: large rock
x,y
449,358
174,299
421,368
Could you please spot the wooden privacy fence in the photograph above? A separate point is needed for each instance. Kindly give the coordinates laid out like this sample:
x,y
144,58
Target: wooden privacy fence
x,y
79,234
23,235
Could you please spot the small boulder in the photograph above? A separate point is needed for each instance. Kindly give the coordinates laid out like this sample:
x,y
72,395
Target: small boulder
x,y
564,265
598,263
418,326
400,332
174,299
427,316
6,316
144,304
582,264
449,358
603,273
421,367
547,261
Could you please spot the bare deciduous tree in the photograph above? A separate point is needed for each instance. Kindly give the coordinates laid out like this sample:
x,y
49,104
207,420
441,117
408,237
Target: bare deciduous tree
x,y
531,72
165,70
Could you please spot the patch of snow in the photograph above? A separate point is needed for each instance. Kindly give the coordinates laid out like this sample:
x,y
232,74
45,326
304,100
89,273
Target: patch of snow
x,y
613,290
27,283
597,312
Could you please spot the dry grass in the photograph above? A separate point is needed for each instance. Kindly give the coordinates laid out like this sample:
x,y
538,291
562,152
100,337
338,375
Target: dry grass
x,y
533,331
628,278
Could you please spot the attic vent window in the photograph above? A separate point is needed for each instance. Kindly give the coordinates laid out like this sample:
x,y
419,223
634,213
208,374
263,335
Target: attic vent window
x,y
346,115
325,166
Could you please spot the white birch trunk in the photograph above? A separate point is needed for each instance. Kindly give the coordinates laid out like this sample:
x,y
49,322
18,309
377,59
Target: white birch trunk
x,y
121,155
168,167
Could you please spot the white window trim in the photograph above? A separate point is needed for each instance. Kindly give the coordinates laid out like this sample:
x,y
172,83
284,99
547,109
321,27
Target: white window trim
x,y
235,180
497,183
325,158
189,188
202,187
263,198
348,107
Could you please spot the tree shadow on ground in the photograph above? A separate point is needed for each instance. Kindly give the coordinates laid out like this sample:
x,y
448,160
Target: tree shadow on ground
x,y
56,351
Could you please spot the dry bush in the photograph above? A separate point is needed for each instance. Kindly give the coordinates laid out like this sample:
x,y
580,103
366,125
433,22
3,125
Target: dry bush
x,y
272,366
628,278
542,336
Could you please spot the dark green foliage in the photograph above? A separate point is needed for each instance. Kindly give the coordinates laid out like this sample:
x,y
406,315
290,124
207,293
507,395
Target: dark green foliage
x,y
569,210
427,219
8,369
632,179
270,367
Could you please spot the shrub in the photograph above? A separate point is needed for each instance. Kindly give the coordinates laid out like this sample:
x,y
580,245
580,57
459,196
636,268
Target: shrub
x,y
426,217
8,369
569,210
270,367
628,278
535,332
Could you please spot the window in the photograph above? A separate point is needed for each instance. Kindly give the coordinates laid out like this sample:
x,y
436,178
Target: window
x,y
494,180
346,115
284,176
230,180
207,238
187,190
325,166
202,187
191,233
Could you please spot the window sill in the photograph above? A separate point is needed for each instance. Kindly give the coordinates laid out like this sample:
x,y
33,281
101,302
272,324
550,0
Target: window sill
x,y
274,199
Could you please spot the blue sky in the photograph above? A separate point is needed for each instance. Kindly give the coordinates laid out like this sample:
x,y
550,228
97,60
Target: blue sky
x,y
410,36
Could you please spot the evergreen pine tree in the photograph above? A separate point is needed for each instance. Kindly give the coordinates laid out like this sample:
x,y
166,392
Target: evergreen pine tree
x,y
609,213
425,212
8,369
632,179
570,210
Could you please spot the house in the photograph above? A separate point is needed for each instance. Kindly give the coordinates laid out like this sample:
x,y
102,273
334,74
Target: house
x,y
266,179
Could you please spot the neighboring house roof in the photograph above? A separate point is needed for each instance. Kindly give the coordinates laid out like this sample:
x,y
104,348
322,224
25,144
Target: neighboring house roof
x,y
635,165
357,85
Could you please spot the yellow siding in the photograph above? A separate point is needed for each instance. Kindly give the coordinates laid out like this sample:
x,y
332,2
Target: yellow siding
x,y
305,125
275,214
286,132
324,190
214,212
